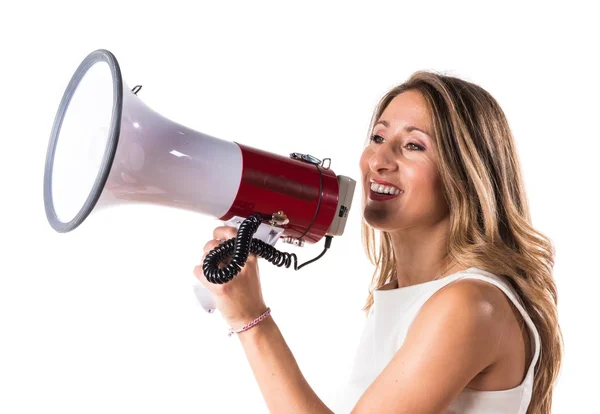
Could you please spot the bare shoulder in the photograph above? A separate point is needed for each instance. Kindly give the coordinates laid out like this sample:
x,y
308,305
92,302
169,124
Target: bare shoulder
x,y
454,337
471,306
479,300
469,313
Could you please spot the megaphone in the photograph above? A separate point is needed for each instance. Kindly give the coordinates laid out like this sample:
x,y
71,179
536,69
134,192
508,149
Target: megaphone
x,y
107,148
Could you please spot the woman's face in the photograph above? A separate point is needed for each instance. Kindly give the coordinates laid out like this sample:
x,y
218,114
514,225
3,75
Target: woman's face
x,y
400,162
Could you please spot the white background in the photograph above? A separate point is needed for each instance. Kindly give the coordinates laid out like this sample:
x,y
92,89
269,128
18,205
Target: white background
x,y
103,319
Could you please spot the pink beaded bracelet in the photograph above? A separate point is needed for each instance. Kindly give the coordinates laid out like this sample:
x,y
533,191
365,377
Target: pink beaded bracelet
x,y
251,324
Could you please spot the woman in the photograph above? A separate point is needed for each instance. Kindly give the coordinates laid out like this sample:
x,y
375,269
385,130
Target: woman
x,y
462,317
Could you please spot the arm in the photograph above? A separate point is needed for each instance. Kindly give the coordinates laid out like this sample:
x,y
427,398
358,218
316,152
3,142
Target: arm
x,y
454,337
282,385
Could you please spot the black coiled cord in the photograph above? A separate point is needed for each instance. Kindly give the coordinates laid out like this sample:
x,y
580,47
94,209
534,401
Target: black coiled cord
x,y
241,246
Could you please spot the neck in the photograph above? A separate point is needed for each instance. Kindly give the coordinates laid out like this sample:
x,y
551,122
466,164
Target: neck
x,y
421,254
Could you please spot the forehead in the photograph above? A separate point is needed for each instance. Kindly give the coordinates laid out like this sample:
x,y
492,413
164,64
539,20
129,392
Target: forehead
x,y
407,108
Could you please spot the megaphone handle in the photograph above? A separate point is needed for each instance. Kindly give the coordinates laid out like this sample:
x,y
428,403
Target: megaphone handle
x,y
239,254
203,295
204,298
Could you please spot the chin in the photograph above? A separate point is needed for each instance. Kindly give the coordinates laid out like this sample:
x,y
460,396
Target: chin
x,y
391,220
378,219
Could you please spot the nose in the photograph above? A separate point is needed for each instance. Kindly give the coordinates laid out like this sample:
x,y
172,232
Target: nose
x,y
382,159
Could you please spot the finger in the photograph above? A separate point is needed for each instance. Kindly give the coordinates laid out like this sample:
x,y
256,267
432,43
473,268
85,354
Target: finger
x,y
199,273
224,232
215,288
211,244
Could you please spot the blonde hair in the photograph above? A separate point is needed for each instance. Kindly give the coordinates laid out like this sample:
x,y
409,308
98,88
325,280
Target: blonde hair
x,y
490,224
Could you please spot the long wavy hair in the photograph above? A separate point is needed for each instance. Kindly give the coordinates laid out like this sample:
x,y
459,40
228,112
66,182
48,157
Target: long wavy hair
x,y
490,223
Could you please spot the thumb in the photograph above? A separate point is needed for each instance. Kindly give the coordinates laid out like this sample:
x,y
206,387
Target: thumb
x,y
199,274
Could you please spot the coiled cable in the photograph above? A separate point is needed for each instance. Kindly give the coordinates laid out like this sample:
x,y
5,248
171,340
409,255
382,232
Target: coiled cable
x,y
238,249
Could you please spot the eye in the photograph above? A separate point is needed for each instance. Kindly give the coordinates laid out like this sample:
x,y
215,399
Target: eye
x,y
377,139
415,147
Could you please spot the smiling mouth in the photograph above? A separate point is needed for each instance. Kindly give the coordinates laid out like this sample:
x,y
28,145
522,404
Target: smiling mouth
x,y
380,192
382,197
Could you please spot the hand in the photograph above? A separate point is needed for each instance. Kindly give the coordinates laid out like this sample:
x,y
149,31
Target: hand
x,y
240,300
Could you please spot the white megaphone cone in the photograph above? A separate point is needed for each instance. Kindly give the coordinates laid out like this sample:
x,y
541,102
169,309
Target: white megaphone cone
x,y
108,148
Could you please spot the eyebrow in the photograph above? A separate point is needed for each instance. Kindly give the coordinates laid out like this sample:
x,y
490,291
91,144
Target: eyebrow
x,y
407,128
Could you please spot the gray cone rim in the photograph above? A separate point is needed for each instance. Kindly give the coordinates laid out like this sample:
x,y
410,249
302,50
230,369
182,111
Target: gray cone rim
x,y
100,55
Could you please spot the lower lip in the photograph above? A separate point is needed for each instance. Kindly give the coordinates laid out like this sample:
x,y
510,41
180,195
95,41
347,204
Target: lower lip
x,y
381,197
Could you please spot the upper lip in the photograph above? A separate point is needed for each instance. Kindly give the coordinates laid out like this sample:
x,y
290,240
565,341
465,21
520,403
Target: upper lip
x,y
374,180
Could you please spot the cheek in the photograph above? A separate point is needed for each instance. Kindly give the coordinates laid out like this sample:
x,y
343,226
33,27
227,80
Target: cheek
x,y
425,182
364,161
365,169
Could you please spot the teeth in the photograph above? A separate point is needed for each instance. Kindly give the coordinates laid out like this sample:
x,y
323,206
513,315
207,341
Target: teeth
x,y
385,189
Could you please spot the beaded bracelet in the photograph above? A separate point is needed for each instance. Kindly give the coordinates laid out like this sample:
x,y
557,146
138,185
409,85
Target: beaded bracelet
x,y
251,324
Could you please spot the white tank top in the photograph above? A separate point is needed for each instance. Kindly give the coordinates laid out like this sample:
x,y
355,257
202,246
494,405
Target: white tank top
x,y
386,327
